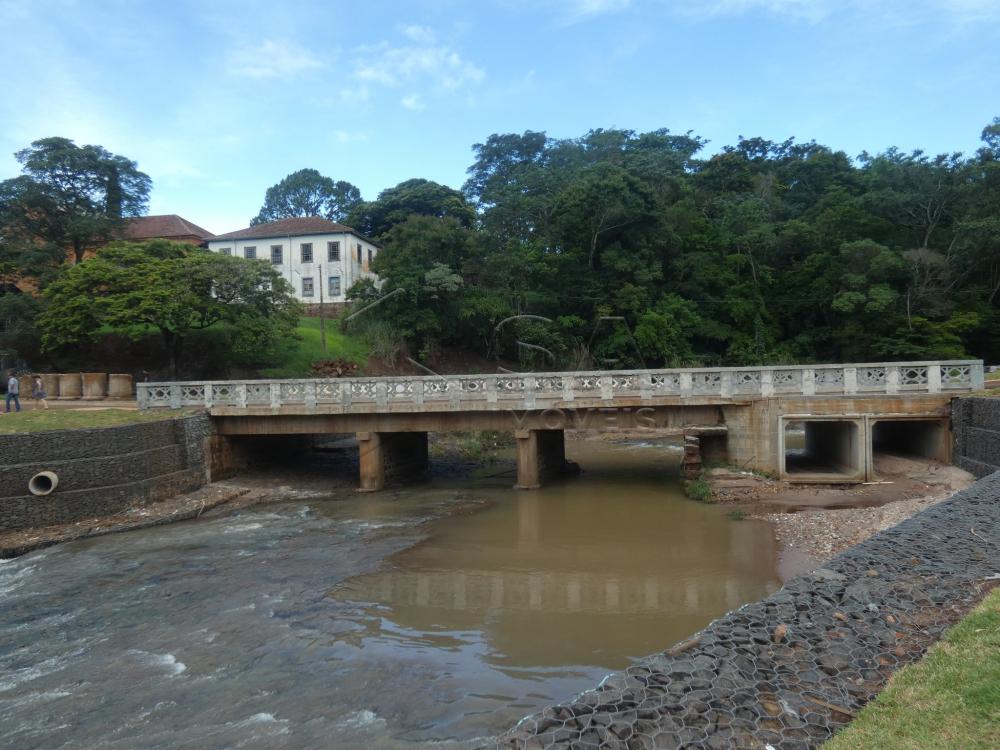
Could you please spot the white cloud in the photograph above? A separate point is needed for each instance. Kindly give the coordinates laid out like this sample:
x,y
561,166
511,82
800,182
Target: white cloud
x,y
419,34
425,67
413,103
885,12
438,65
272,59
349,136
582,10
355,94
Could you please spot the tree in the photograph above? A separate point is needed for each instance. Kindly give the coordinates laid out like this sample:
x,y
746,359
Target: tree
x,y
420,265
308,193
70,198
173,288
413,197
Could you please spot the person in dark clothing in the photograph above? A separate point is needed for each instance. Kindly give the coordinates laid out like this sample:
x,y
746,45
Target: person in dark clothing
x,y
13,392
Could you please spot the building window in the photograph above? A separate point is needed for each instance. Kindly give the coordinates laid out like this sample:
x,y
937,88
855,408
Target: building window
x,y
277,255
369,255
226,250
307,286
359,252
307,252
333,251
334,286
250,253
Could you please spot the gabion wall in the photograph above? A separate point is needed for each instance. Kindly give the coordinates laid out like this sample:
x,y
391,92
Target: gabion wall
x,y
789,671
101,471
976,428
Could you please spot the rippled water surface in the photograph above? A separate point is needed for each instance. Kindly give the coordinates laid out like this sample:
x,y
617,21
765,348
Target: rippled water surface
x,y
427,617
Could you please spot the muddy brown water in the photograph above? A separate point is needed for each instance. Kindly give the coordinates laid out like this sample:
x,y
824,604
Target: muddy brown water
x,y
426,617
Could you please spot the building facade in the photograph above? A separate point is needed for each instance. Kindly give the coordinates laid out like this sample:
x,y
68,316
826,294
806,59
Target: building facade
x,y
308,252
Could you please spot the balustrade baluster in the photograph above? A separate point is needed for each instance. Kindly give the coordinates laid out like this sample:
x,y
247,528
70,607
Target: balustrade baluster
x,y
934,378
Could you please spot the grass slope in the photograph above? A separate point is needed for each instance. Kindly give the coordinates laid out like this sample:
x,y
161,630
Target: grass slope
x,y
76,419
949,700
309,349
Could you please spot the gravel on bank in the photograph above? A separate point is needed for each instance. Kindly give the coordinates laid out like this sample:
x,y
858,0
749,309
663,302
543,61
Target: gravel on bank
x,y
788,671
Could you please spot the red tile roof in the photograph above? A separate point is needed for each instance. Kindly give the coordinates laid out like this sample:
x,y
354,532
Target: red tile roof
x,y
165,227
288,227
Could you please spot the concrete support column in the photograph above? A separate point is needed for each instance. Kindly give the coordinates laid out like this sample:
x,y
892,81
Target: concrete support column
x,y
385,457
528,474
541,454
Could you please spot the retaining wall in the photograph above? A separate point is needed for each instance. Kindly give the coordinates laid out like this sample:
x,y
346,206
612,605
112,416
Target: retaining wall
x,y
975,424
101,471
790,670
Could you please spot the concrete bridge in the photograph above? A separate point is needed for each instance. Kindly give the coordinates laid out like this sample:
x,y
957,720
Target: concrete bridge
x,y
743,415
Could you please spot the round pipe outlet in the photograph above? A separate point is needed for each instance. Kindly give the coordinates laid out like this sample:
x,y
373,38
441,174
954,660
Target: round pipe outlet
x,y
43,483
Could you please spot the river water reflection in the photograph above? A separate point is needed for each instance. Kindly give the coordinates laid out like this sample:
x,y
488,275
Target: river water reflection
x,y
359,623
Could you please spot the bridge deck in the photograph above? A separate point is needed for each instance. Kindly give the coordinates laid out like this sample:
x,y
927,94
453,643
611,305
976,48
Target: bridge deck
x,y
538,391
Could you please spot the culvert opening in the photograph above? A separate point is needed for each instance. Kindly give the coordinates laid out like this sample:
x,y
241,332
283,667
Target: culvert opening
x,y
822,447
43,483
910,438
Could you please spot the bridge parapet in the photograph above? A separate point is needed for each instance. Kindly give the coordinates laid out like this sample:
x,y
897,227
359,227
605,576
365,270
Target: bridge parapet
x,y
493,392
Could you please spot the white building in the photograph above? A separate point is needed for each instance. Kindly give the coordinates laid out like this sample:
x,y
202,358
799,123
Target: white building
x,y
307,252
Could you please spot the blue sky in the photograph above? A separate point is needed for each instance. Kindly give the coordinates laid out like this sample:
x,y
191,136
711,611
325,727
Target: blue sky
x,y
216,101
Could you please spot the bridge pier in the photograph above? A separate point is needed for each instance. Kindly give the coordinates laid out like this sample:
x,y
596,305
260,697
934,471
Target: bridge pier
x,y
390,457
541,455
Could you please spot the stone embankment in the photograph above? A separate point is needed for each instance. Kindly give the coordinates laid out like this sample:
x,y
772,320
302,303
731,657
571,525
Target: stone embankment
x,y
102,471
976,428
789,671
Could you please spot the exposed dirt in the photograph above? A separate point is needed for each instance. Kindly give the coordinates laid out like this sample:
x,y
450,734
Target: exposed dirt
x,y
815,522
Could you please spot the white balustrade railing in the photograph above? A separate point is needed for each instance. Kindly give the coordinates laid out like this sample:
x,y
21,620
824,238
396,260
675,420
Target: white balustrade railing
x,y
539,390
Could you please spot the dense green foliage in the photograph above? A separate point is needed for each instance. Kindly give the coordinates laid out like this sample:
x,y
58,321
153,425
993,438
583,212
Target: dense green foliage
x,y
308,193
615,249
635,251
68,198
175,289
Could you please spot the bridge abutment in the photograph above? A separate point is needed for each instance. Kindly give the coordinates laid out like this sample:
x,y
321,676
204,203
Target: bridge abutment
x,y
388,457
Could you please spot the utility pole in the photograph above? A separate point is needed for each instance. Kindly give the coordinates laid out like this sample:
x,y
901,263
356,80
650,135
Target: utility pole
x,y
322,319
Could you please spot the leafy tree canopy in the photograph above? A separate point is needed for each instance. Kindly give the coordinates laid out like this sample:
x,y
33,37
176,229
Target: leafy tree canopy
x,y
308,193
172,288
69,198
412,197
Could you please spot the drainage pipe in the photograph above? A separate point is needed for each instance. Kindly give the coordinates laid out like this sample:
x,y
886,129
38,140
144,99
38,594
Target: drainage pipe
x,y
43,483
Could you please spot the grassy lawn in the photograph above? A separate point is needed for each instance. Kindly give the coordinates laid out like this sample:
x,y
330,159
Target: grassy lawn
x,y
309,349
70,419
949,700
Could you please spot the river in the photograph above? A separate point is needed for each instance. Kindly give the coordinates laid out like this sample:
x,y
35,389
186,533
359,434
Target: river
x,y
427,617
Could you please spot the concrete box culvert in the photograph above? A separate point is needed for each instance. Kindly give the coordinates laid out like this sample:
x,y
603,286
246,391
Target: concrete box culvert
x,y
43,483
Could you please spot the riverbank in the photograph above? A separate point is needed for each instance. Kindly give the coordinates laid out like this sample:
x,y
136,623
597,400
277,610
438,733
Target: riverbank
x,y
180,508
793,668
949,701
812,523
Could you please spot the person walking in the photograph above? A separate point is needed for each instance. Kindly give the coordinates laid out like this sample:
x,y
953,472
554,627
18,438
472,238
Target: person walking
x,y
13,392
38,393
